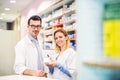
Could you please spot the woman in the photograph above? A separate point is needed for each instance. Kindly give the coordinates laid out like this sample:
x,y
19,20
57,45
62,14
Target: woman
x,y
64,66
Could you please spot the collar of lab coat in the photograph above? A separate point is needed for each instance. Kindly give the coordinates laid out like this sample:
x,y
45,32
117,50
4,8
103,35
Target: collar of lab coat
x,y
28,40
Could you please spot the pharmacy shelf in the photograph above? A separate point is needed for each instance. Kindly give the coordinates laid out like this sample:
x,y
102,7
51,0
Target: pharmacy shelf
x,y
61,14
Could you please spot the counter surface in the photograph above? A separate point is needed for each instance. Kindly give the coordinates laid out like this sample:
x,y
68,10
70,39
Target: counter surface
x,y
23,77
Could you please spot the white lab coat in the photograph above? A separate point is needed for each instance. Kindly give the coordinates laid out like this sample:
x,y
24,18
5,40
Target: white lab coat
x,y
68,60
26,56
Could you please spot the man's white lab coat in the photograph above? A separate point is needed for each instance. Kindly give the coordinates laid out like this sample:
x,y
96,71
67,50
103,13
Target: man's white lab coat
x,y
26,56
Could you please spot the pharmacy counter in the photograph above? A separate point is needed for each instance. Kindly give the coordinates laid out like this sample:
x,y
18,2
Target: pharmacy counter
x,y
104,62
23,77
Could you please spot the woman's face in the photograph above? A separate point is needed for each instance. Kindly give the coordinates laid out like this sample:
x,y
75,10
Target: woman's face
x,y
60,39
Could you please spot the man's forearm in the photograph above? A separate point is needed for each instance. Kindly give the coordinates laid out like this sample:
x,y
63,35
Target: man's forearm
x,y
39,73
29,72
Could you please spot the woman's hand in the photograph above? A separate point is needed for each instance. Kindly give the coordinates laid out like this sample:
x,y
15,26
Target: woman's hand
x,y
53,63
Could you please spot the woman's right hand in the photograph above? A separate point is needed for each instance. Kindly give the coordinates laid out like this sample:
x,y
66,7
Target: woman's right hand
x,y
52,63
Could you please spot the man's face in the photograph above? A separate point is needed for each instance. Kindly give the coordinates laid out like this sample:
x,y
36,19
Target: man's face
x,y
34,28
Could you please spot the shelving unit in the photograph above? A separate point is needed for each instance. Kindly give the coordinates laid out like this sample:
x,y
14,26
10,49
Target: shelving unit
x,y
61,14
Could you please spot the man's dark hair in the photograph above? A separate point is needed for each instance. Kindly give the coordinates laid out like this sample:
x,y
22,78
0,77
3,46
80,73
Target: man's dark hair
x,y
35,18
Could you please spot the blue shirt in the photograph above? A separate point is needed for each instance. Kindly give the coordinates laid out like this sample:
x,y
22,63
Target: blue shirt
x,y
40,58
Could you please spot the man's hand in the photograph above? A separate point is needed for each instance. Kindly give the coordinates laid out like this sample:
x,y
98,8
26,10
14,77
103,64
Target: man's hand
x,y
40,73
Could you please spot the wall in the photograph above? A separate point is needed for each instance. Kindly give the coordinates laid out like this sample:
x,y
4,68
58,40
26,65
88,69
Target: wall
x,y
16,24
8,41
3,25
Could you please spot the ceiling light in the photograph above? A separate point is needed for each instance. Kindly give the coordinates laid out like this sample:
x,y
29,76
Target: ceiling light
x,y
12,1
7,9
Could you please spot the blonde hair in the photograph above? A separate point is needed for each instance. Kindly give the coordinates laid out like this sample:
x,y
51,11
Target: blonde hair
x,y
57,48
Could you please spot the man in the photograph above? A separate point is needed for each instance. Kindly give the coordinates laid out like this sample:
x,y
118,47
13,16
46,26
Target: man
x,y
28,58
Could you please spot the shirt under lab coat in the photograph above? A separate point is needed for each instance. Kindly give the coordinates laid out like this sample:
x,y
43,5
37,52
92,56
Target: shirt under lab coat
x,y
26,56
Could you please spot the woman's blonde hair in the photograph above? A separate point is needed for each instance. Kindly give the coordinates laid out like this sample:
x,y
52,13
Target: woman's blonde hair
x,y
57,48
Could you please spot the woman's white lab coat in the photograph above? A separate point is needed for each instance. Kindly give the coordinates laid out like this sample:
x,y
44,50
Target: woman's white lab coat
x,y
26,56
68,61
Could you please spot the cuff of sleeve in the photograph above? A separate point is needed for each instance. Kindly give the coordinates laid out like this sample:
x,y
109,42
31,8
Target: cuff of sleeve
x,y
22,70
58,65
